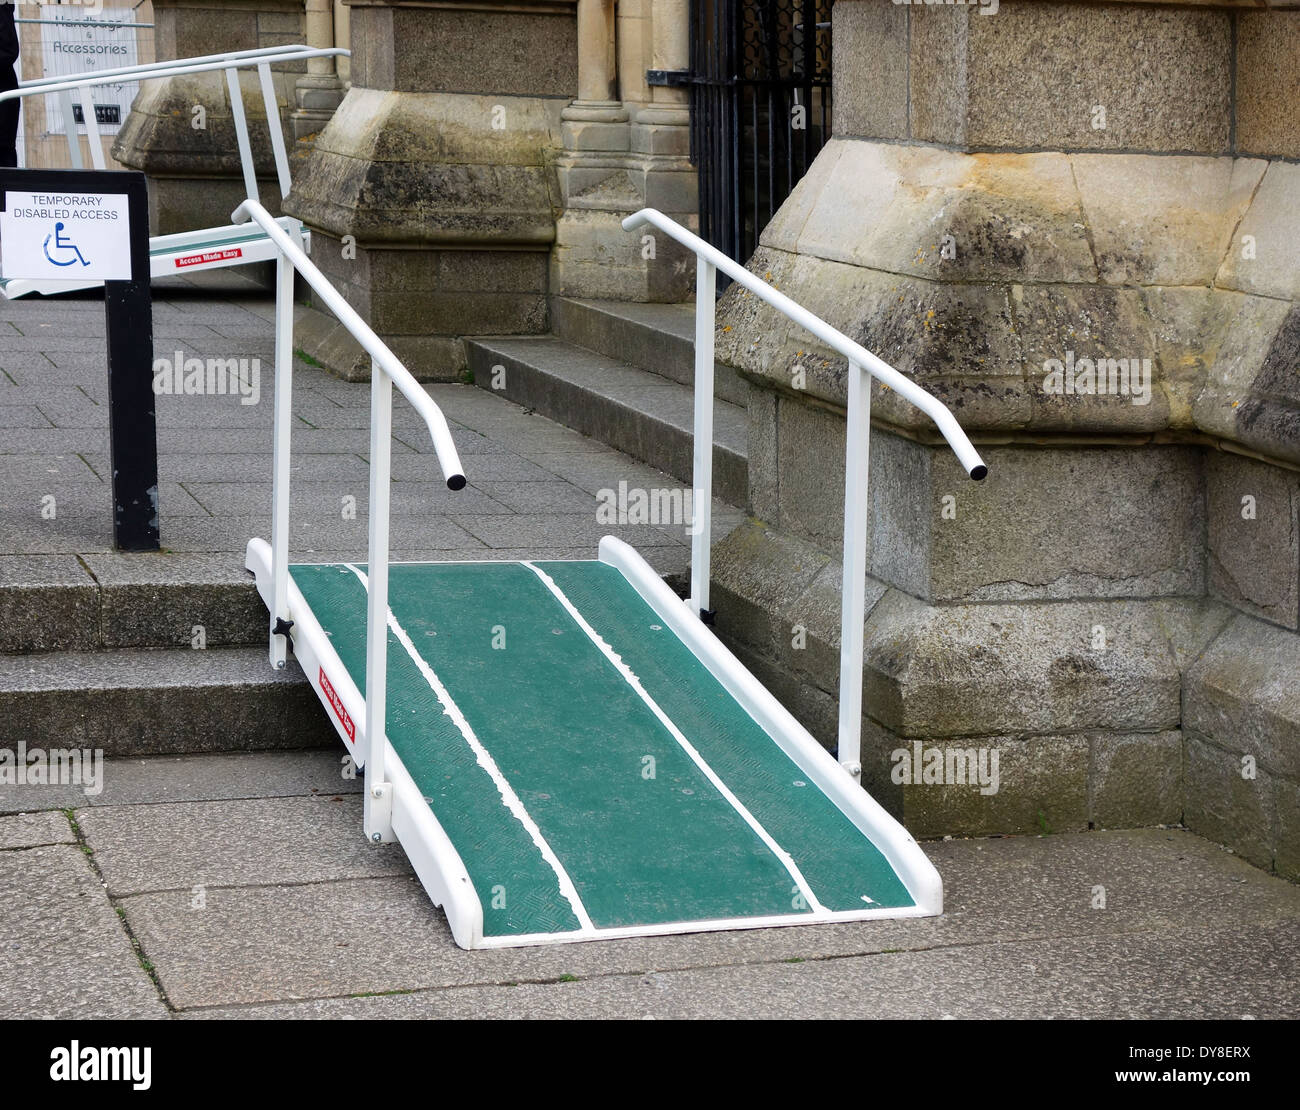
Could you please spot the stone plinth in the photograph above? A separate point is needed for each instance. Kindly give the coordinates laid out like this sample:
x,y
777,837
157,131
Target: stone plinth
x,y
1092,264
431,193
180,131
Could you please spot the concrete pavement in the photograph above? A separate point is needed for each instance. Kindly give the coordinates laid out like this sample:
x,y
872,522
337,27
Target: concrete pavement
x,y
241,886
532,483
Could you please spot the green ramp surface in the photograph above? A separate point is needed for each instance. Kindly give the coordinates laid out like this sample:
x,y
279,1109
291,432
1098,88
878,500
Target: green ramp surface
x,y
611,779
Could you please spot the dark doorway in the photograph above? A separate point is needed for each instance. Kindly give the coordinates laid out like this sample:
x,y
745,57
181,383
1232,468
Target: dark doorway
x,y
760,109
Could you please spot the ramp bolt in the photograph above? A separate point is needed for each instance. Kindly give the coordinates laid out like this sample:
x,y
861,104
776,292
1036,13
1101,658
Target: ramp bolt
x,y
378,838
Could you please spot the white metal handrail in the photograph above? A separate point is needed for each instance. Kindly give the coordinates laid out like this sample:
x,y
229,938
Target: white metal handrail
x,y
144,67
856,504
386,371
261,60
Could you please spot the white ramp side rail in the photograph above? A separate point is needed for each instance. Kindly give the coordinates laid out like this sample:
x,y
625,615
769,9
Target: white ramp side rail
x,y
863,365
205,248
386,371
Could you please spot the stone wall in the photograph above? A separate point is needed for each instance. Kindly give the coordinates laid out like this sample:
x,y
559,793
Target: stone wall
x,y
1115,609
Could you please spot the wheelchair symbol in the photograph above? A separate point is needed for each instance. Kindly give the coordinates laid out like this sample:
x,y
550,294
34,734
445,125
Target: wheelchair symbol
x,y
62,243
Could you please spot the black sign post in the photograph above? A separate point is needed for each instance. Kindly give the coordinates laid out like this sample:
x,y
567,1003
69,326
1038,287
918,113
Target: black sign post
x,y
128,310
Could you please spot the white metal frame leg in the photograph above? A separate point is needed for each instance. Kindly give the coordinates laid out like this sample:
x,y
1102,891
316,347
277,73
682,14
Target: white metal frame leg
x,y
241,132
93,138
379,791
70,127
280,487
857,508
702,493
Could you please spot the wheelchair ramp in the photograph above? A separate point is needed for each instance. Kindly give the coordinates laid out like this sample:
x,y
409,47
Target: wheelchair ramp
x,y
590,773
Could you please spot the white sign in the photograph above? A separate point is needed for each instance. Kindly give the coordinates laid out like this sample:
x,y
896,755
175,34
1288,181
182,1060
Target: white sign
x,y
75,43
61,235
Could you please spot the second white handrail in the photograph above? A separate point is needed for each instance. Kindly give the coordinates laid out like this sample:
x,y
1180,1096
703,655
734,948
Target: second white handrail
x,y
261,59
863,365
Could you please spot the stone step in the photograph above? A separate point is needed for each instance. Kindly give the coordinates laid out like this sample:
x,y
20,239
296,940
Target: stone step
x,y
148,702
659,338
632,410
89,602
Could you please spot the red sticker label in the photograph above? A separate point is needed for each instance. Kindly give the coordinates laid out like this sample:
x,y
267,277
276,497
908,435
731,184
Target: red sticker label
x,y
208,257
336,704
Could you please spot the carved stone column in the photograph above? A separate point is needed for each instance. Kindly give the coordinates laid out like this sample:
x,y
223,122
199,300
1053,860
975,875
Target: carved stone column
x,y
319,91
612,166
596,120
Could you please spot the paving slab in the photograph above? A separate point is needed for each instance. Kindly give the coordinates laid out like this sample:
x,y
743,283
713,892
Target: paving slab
x,y
23,416
194,778
28,830
525,529
88,499
191,467
541,497
323,498
303,441
485,468
46,392
320,538
47,468
261,841
65,952
601,469
75,338
53,441
66,535
39,370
